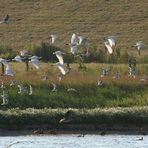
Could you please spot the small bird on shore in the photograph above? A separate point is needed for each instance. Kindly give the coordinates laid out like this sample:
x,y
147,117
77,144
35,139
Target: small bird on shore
x,y
140,139
81,135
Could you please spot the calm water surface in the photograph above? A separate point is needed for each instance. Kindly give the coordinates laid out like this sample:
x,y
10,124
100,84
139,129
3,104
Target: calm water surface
x,y
72,141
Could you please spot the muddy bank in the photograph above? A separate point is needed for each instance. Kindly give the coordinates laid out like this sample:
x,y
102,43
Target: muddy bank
x,y
74,129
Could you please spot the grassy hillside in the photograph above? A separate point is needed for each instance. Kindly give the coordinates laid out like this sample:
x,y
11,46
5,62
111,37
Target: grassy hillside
x,y
34,20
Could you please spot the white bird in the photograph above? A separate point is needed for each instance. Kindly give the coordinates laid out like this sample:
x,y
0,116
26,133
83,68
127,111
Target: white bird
x,y
13,83
59,55
143,78
22,89
4,61
112,40
6,20
5,97
54,87
139,45
35,62
30,90
74,49
74,39
35,57
71,90
99,82
23,52
109,48
82,41
18,58
8,71
54,38
62,68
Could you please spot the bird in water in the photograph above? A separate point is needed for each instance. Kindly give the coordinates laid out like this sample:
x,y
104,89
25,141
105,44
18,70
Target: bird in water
x,y
81,135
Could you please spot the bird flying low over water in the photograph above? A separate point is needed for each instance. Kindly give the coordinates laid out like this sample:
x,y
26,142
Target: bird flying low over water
x,y
6,20
68,117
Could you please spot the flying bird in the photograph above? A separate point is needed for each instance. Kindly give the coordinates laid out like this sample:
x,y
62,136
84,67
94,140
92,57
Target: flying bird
x,y
4,61
68,117
59,55
112,40
108,46
54,38
54,87
18,58
35,61
22,89
13,83
71,90
8,71
6,20
5,96
74,39
139,45
30,90
62,68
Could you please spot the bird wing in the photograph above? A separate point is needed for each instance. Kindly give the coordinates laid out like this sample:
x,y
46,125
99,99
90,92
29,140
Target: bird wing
x,y
61,68
36,63
109,48
60,58
74,39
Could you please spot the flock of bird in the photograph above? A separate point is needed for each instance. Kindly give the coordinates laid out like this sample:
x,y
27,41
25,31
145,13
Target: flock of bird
x,y
77,42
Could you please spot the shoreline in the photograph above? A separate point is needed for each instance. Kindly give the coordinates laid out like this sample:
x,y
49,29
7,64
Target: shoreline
x,y
76,129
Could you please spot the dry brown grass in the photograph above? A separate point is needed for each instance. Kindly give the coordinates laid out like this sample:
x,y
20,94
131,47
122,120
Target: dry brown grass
x,y
76,77
94,19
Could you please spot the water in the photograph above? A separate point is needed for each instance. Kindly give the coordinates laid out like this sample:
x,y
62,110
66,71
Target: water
x,y
72,141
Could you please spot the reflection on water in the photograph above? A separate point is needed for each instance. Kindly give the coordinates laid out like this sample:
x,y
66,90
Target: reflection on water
x,y
73,141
